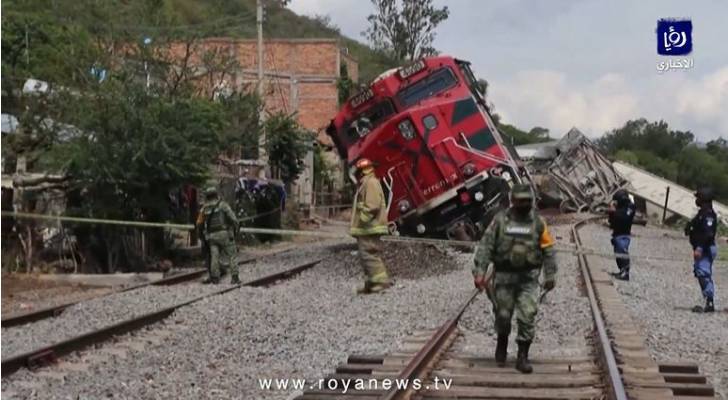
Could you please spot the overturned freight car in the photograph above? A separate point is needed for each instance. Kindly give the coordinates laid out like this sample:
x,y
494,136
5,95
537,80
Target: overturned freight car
x,y
428,130
571,173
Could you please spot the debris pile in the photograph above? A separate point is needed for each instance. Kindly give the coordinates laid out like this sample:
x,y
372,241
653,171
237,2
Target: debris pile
x,y
571,173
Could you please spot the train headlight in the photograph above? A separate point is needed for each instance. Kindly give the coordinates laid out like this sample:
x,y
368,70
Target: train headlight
x,y
406,129
469,169
479,196
404,206
421,229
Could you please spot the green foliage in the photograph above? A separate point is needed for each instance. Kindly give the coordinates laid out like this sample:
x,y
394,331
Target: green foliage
x,y
627,156
698,168
344,85
407,31
323,172
125,143
655,137
138,147
286,143
518,137
670,154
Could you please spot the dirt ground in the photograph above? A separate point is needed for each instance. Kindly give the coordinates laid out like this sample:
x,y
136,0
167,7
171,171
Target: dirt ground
x,y
27,292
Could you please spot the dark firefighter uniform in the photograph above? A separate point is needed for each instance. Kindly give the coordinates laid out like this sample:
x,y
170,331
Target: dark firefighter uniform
x,y
217,225
621,215
702,230
519,245
368,224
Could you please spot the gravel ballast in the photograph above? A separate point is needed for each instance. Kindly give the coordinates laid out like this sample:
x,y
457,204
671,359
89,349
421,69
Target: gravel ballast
x,y
103,311
302,328
94,314
660,295
563,321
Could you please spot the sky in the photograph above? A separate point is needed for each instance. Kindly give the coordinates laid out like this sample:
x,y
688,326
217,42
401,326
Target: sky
x,y
590,64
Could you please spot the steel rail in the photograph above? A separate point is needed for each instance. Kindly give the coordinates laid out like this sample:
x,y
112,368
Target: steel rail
x,y
424,356
614,377
54,311
45,355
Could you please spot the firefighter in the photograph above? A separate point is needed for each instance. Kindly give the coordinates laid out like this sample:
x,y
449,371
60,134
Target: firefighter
x,y
519,245
702,230
218,225
368,224
621,215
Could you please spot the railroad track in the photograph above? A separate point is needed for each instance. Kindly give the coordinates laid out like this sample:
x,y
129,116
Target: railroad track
x,y
616,367
56,310
49,354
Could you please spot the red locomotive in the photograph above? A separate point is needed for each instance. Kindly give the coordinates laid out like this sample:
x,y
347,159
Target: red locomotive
x,y
442,162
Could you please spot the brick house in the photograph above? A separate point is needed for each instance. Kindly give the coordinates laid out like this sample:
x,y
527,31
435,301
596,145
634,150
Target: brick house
x,y
300,76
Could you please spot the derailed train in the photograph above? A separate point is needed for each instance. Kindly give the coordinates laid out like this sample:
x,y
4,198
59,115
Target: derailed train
x,y
445,168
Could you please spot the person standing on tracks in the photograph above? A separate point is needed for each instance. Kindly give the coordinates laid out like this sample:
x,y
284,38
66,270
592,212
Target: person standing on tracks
x,y
519,245
621,215
218,225
702,230
368,224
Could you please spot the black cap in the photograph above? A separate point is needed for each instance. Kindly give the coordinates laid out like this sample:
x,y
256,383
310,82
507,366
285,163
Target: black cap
x,y
620,195
704,193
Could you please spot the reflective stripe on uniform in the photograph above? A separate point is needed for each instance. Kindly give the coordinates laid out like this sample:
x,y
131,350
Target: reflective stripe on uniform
x,y
546,239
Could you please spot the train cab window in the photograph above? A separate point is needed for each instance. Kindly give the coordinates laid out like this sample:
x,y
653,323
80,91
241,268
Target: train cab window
x,y
473,84
369,119
433,84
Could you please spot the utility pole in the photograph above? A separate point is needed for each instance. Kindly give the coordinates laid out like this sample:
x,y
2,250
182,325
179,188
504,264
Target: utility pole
x,y
262,154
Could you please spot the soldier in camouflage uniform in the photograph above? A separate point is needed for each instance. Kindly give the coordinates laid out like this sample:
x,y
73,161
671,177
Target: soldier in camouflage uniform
x,y
518,244
217,224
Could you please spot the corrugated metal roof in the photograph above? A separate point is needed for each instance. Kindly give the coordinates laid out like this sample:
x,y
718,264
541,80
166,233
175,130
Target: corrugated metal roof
x,y
653,188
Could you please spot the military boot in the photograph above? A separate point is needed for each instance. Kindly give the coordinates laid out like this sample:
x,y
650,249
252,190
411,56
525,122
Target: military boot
x,y
365,289
501,350
211,280
623,275
235,280
709,306
379,287
522,363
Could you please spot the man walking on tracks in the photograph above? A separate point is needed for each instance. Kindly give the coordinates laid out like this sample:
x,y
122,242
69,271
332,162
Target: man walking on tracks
x,y
621,215
218,225
518,244
368,224
701,230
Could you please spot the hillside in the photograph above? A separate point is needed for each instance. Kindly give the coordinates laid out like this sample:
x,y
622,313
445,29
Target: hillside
x,y
280,22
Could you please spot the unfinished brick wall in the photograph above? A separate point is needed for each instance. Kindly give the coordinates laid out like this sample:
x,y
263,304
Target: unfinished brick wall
x,y
300,74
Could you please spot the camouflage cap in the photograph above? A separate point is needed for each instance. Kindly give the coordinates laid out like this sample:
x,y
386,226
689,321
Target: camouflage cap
x,y
210,191
521,191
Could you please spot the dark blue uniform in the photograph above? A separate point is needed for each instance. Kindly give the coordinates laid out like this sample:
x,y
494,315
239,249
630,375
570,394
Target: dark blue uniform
x,y
620,221
701,230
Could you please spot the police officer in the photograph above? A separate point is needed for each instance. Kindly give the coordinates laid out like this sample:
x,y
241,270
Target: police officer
x,y
701,230
518,244
368,224
218,224
621,215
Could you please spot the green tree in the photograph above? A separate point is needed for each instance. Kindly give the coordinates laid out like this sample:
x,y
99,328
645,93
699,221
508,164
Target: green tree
x,y
518,137
287,144
405,29
671,154
641,134
344,85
